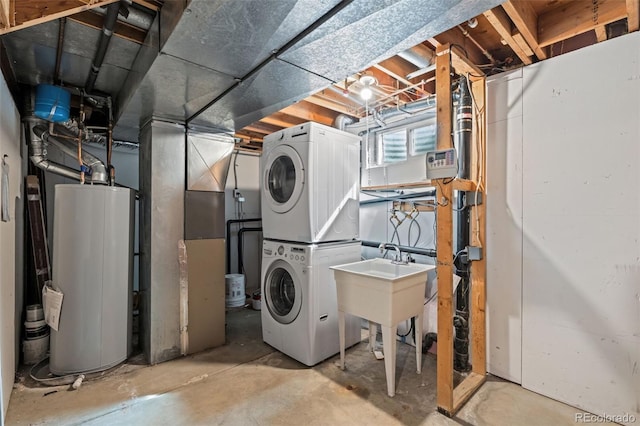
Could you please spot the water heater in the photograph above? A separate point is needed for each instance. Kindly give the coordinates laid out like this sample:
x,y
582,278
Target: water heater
x,y
93,267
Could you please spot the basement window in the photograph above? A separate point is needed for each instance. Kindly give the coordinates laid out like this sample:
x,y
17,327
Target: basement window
x,y
423,139
394,146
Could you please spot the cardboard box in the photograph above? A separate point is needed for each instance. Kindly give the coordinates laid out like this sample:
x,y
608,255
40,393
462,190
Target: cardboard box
x,y
206,312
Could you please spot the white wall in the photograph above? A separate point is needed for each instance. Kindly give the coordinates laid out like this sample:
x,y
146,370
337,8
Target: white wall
x,y
580,261
504,226
10,139
247,174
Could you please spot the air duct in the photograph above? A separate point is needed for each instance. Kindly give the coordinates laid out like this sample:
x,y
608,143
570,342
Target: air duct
x,y
39,137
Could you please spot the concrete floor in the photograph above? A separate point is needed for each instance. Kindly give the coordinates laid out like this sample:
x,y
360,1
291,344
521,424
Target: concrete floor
x,y
246,382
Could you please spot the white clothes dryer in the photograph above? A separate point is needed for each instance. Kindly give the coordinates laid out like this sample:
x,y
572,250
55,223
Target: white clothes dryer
x,y
310,184
300,308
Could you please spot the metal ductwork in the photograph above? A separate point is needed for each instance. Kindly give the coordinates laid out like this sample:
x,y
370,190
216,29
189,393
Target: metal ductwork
x,y
221,64
39,138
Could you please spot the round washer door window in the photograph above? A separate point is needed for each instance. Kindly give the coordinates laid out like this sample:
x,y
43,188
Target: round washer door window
x,y
283,294
284,178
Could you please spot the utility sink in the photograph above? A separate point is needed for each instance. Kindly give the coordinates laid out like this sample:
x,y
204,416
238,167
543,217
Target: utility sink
x,y
386,293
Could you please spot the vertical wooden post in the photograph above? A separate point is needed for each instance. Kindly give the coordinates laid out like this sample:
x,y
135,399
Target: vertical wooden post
x,y
478,267
444,219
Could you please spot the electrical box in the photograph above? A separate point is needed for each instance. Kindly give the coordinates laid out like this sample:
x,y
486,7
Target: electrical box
x,y
442,164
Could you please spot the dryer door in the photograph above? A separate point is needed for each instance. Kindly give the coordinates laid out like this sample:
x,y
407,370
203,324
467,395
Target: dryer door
x,y
284,178
282,292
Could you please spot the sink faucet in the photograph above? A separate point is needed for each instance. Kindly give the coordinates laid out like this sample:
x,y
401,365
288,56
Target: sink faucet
x,y
387,246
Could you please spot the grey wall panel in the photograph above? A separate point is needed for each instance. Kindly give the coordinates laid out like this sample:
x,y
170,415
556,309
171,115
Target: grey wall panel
x,y
162,170
204,215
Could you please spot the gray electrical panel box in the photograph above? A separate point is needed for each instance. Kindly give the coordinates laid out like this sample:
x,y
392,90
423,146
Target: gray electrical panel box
x,y
442,164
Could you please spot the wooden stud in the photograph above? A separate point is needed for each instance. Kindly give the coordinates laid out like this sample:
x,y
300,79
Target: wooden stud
x,y
577,17
601,33
526,21
501,23
444,244
633,13
5,8
478,239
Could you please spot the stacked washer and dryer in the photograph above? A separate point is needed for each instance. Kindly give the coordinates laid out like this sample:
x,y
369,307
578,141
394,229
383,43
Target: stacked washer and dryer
x,y
310,219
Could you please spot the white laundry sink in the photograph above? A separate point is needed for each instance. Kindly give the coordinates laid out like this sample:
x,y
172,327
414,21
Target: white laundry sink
x,y
386,293
381,290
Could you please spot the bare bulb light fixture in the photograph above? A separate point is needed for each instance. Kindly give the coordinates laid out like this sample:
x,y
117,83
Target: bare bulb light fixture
x,y
367,81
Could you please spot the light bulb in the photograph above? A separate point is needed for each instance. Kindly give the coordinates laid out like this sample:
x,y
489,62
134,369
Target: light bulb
x,y
366,93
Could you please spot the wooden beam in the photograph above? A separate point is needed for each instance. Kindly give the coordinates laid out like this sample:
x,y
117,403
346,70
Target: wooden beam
x,y
478,293
310,112
155,6
601,33
5,12
498,18
420,184
519,39
633,13
526,21
444,243
577,17
400,78
121,29
34,12
328,103
261,128
461,64
466,389
247,134
282,120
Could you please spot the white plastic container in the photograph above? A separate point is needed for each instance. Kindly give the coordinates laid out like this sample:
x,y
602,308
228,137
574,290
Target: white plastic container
x,y
234,290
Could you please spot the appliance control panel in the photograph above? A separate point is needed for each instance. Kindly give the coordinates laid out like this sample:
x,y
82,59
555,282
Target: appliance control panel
x,y
290,253
442,164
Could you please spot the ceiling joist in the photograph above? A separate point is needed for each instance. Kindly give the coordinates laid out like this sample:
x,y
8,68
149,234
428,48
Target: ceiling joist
x,y
498,18
33,12
526,21
311,112
122,29
577,17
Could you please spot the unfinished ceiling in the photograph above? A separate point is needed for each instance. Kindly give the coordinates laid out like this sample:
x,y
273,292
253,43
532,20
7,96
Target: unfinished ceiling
x,y
254,67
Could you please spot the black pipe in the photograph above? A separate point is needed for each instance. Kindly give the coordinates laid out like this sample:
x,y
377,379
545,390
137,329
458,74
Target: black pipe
x,y
431,193
103,44
240,244
406,249
61,27
464,123
228,237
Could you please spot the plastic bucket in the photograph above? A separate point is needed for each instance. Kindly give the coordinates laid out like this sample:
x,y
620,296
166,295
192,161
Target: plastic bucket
x,y
52,103
234,290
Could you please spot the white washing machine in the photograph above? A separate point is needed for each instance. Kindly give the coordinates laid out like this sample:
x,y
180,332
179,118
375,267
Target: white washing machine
x,y
300,309
310,184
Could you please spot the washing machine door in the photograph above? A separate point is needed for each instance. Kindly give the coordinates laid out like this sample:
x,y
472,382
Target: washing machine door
x,y
284,178
282,292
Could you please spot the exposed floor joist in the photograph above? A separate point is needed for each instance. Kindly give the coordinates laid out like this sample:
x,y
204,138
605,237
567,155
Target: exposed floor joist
x,y
573,18
633,15
502,24
122,30
526,21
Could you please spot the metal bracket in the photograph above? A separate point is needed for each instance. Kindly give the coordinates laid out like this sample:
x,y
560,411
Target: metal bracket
x,y
474,253
472,198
